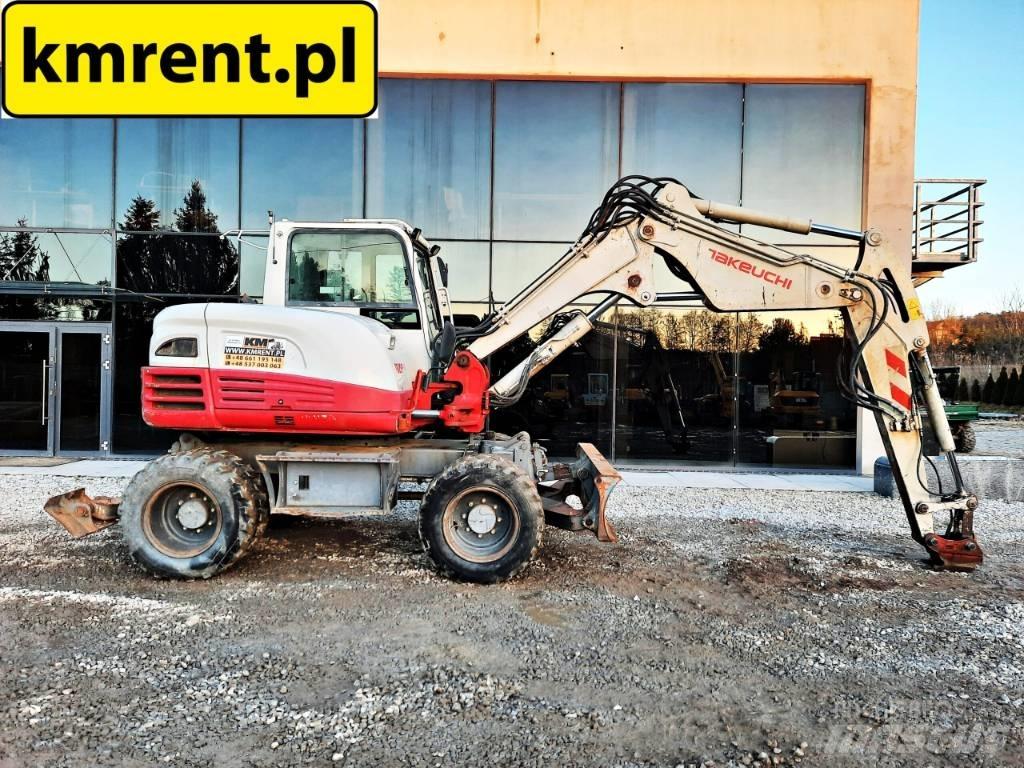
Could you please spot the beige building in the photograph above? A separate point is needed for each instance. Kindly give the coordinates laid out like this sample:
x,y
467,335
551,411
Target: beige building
x,y
500,126
868,43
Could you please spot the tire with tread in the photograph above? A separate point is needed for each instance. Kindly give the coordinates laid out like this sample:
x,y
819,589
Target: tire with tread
x,y
481,471
964,438
234,486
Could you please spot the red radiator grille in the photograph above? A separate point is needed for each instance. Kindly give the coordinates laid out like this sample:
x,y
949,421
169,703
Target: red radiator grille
x,y
174,391
248,390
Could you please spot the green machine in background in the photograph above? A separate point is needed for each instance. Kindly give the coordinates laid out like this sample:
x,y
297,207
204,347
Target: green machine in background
x,y
959,415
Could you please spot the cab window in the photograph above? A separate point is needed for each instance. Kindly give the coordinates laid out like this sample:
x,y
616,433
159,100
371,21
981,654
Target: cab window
x,y
348,268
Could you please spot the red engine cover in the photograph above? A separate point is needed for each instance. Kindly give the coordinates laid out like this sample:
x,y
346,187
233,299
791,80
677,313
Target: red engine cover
x,y
264,401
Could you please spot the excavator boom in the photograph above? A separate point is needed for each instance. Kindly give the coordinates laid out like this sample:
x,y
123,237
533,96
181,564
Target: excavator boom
x,y
641,219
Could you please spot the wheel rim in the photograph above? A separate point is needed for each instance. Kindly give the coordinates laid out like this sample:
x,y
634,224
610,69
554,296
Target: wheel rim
x,y
182,520
481,524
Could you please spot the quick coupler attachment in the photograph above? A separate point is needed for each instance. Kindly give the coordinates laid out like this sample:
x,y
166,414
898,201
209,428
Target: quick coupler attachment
x,y
957,549
81,515
591,479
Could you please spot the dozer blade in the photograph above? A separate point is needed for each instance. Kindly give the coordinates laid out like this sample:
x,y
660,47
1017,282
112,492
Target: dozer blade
x,y
81,515
591,478
597,478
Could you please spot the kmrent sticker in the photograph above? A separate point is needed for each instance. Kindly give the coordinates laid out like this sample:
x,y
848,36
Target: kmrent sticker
x,y
189,59
253,352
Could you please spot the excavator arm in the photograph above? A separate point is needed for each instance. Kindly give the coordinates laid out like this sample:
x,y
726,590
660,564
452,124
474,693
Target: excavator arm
x,y
641,219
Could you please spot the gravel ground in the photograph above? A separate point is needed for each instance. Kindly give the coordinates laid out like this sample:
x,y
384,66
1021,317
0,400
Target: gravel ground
x,y
727,628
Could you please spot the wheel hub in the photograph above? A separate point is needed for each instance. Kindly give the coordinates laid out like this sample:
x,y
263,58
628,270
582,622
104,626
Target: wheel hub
x,y
481,518
193,514
481,524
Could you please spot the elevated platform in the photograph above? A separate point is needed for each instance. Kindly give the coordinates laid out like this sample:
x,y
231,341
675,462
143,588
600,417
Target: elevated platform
x,y
946,225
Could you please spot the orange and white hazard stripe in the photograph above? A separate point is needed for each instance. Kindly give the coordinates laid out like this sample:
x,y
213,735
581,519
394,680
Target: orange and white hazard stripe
x,y
899,380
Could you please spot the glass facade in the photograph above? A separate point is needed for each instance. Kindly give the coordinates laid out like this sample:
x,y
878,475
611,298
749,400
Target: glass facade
x,y
556,149
803,150
428,157
693,132
56,173
301,169
168,163
111,221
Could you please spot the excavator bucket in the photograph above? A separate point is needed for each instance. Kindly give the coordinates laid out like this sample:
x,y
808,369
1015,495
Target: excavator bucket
x,y
80,514
591,479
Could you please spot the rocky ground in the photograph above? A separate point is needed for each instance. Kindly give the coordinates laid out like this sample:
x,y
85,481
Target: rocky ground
x,y
727,628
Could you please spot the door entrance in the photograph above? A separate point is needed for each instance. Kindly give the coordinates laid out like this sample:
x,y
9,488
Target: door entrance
x,y
55,389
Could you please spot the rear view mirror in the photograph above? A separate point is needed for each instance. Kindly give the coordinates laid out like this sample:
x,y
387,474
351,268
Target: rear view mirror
x,y
443,269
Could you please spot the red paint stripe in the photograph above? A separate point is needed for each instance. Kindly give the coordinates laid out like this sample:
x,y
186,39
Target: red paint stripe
x,y
901,397
896,362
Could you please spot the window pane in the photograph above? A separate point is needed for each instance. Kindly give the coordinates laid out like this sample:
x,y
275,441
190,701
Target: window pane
x,y
301,169
567,403
23,405
468,315
172,263
555,155
253,252
792,412
55,257
429,156
674,383
469,267
56,173
803,155
184,173
81,358
692,132
348,268
517,264
75,308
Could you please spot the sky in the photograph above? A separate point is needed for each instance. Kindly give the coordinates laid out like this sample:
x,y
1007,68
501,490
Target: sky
x,y
970,124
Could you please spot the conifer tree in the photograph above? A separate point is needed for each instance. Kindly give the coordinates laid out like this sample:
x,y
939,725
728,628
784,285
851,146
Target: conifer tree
x,y
1010,397
986,391
999,392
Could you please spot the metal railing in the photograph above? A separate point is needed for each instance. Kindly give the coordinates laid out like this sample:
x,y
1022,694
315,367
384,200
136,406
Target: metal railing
x,y
946,221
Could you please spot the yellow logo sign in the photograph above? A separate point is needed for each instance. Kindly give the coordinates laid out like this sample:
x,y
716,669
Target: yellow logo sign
x,y
189,58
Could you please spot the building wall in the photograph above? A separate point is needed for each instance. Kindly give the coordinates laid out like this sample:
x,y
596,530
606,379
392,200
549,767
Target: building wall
x,y
866,45
868,41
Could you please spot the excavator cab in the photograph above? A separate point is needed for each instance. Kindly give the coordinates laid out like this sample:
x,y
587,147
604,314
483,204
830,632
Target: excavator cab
x,y
382,270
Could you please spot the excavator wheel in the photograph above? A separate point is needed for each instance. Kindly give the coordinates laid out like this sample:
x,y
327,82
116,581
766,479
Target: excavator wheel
x,y
964,438
193,514
481,520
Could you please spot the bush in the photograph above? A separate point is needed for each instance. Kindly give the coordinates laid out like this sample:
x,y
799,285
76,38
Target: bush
x,y
1011,389
976,392
962,393
986,391
1000,389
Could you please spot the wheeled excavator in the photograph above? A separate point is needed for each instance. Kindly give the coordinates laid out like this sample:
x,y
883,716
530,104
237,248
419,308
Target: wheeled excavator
x,y
351,379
